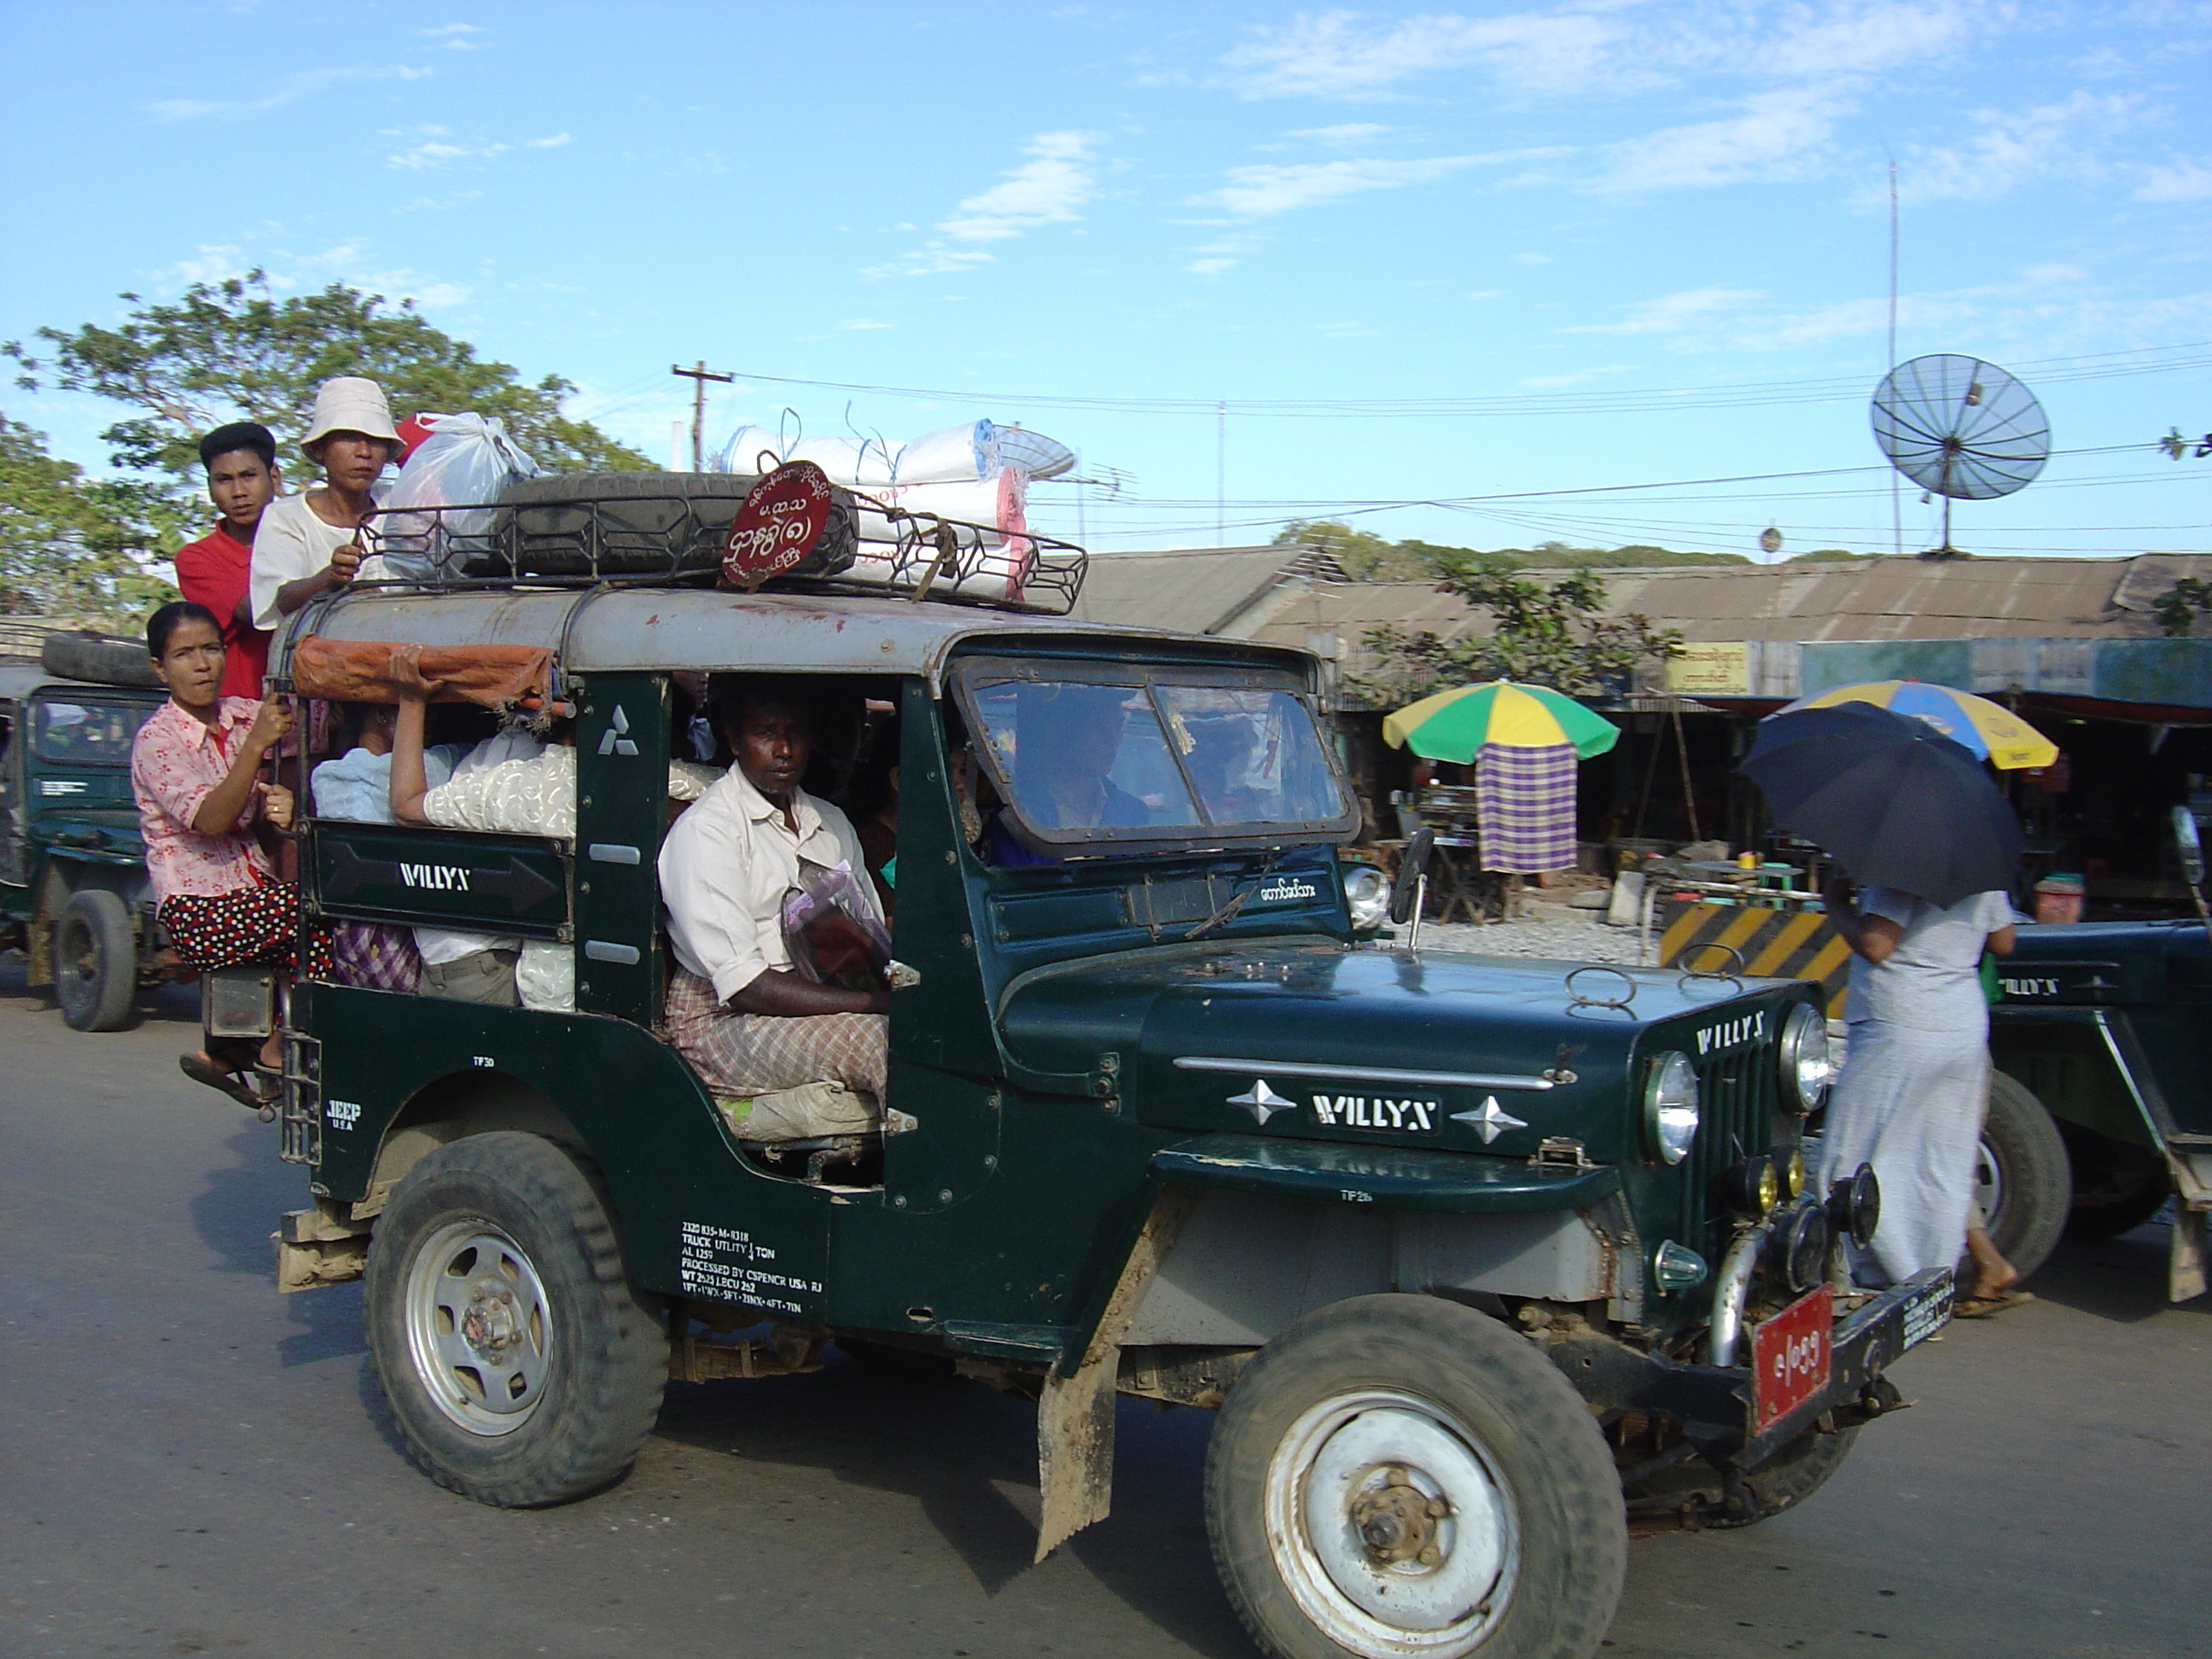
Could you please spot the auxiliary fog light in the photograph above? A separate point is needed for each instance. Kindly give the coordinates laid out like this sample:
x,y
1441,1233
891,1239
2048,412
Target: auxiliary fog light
x,y
1678,1267
1809,1064
1367,892
1751,1187
1803,1246
1670,1108
1793,1173
1855,1206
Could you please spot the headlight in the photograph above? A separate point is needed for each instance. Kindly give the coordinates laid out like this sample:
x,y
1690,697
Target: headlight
x,y
1367,890
1670,1108
1807,1068
1793,1172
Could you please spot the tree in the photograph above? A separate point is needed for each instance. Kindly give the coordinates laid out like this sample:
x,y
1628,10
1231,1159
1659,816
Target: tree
x,y
1551,634
2179,606
1367,558
79,549
232,350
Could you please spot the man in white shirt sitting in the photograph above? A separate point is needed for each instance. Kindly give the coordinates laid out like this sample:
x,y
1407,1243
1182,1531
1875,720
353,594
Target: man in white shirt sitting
x,y
737,1011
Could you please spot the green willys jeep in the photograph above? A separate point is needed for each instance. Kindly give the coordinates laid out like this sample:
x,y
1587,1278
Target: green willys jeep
x,y
73,894
2100,1109
1475,1257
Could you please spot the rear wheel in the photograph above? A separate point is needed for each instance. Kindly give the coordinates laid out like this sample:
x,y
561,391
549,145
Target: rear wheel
x,y
1396,1475
2022,1177
520,1366
95,961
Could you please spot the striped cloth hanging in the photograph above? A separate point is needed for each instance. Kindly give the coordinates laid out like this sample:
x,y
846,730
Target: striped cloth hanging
x,y
1525,805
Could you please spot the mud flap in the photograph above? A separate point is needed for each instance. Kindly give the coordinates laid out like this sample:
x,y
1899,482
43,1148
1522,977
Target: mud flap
x,y
2185,1261
1075,1413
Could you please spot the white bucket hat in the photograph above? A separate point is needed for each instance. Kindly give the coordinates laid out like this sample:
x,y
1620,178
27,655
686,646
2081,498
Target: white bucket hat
x,y
350,403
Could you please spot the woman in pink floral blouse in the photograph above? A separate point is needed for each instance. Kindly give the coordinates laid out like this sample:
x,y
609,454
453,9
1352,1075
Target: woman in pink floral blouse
x,y
202,804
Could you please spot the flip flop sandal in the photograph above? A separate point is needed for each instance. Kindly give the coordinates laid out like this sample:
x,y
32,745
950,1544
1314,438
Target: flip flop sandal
x,y
201,1070
1987,1307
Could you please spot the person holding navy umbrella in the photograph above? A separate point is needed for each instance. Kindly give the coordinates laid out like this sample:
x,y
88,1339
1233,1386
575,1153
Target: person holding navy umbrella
x,y
1911,815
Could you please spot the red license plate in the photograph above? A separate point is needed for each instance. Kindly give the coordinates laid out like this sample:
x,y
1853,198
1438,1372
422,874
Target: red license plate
x,y
1789,1357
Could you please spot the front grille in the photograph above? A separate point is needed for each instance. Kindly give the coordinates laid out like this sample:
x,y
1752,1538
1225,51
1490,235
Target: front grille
x,y
1737,1097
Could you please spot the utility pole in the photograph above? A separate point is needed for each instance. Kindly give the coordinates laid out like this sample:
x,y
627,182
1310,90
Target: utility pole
x,y
698,376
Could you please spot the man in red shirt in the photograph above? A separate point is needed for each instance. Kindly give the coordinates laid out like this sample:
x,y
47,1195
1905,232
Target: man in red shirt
x,y
241,472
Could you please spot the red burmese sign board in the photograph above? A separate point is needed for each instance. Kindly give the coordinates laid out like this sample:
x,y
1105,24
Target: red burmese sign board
x,y
778,524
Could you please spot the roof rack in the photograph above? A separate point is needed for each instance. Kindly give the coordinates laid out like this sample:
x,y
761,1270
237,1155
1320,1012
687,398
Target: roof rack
x,y
677,540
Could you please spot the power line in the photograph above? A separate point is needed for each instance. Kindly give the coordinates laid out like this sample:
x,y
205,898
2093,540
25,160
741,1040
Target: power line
x,y
2102,365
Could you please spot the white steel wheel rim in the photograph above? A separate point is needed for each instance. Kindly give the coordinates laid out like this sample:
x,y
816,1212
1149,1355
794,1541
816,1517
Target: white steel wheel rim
x,y
1988,1182
1361,1460
479,1327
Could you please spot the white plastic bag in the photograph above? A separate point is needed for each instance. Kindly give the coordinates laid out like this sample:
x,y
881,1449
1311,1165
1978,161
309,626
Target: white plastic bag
x,y
467,461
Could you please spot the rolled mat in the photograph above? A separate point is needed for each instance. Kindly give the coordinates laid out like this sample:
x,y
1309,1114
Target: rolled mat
x,y
359,671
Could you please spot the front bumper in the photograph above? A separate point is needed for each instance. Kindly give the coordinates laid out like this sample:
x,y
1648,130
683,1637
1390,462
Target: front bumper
x,y
1712,1404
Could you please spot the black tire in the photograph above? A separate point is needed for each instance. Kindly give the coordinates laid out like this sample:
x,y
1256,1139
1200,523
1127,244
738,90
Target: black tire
x,y
96,658
2034,1183
646,522
542,1386
1789,1476
1390,1401
95,961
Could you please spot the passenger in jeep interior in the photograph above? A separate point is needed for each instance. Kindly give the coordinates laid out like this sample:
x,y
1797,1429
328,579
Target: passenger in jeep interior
x,y
514,784
195,771
1065,739
739,1010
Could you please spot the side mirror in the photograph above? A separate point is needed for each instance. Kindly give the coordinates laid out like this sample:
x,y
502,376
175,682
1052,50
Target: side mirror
x,y
2185,841
1413,866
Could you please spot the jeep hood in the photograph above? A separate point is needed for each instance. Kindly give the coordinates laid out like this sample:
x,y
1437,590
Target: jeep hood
x,y
1492,1053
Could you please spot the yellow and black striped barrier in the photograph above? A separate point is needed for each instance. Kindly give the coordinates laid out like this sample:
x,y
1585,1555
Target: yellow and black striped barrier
x,y
1772,943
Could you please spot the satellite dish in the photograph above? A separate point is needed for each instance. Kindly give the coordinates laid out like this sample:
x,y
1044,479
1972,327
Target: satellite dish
x,y
1960,428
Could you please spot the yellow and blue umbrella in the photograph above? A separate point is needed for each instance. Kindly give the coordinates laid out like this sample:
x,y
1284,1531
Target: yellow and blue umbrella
x,y
1986,730
1454,725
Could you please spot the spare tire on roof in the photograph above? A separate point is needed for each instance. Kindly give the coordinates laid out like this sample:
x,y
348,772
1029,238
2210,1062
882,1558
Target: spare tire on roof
x,y
99,658
633,523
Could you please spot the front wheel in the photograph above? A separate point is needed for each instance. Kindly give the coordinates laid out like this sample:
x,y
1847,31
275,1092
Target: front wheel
x,y
520,1366
2022,1179
1396,1475
95,961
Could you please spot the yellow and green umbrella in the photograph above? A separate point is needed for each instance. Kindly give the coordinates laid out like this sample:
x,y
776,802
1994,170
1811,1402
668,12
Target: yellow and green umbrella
x,y
1986,730
1454,726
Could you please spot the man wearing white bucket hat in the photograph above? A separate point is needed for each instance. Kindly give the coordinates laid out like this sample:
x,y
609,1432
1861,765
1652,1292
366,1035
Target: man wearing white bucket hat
x,y
309,543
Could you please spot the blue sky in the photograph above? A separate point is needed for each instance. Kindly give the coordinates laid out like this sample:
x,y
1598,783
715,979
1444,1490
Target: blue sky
x,y
1620,243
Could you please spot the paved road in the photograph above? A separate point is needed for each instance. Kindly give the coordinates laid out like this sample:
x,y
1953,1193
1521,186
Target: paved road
x,y
195,1465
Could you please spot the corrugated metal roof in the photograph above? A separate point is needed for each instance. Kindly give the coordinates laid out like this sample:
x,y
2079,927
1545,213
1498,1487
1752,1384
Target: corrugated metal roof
x,y
1887,599
1202,589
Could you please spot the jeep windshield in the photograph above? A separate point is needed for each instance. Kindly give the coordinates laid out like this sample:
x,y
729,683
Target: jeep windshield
x,y
1093,756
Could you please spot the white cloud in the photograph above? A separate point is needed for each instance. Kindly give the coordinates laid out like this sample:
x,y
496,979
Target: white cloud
x,y
289,90
553,143
1345,133
1257,193
1212,265
2021,146
1334,53
1559,382
861,325
1045,190
1583,45
1672,313
439,152
1781,134
455,37
2183,180
1532,258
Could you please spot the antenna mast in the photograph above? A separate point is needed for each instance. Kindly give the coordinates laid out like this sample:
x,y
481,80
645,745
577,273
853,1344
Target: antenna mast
x,y
1896,502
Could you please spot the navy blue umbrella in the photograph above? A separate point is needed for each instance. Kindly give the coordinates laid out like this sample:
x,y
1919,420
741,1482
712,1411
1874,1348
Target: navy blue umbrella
x,y
1892,799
